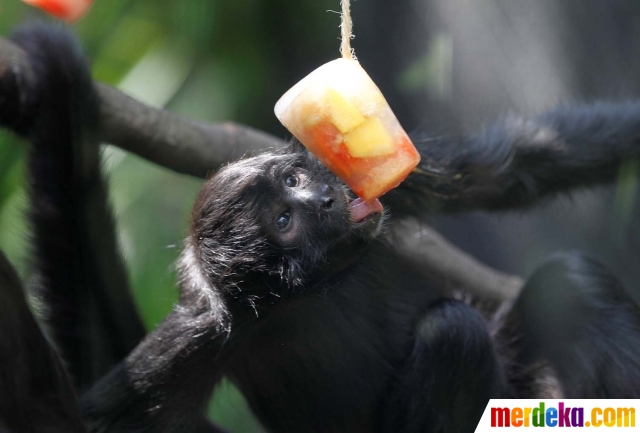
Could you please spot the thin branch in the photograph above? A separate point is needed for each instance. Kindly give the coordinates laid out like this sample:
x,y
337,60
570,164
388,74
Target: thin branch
x,y
197,148
452,268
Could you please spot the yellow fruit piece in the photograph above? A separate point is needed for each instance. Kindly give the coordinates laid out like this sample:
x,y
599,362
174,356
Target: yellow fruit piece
x,y
369,139
343,114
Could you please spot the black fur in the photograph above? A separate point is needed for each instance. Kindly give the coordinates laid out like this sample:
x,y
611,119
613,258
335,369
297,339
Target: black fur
x,y
464,372
80,275
574,298
515,162
323,325
36,395
330,329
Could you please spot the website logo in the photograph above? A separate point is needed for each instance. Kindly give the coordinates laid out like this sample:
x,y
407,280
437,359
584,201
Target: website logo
x,y
521,414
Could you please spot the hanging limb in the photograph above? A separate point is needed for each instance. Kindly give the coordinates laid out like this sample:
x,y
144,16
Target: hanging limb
x,y
196,148
37,394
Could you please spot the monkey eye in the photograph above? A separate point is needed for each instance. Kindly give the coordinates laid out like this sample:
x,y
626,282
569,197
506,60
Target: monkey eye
x,y
284,220
291,181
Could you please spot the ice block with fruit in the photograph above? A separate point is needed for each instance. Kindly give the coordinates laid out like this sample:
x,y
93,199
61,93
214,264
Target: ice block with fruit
x,y
340,115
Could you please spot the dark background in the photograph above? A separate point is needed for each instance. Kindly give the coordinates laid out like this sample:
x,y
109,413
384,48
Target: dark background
x,y
444,65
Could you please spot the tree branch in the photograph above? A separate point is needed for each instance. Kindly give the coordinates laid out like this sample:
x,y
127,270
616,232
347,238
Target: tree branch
x,y
452,268
197,148
185,146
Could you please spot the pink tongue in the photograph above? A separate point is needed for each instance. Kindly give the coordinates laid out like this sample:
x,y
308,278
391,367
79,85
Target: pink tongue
x,y
361,209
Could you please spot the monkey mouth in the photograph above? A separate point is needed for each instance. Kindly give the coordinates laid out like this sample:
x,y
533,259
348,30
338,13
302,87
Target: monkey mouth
x,y
361,210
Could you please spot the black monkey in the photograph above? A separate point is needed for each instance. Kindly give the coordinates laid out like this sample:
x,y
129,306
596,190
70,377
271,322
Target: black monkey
x,y
309,313
291,289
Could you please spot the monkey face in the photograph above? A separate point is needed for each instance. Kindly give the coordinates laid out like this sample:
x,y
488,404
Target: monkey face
x,y
305,205
282,214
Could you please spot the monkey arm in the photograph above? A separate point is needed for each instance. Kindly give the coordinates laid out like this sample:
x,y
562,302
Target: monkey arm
x,y
80,274
516,161
36,392
165,383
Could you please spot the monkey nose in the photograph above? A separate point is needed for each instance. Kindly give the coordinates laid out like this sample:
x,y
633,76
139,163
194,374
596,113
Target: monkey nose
x,y
327,203
325,199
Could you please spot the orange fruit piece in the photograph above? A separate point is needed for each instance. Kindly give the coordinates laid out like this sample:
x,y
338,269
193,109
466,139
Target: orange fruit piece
x,y
68,10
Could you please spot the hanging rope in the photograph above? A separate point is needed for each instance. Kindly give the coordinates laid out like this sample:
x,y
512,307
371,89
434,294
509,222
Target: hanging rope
x,y
346,29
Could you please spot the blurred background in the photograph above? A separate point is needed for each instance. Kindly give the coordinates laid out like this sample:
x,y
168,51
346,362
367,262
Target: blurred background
x,y
445,66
